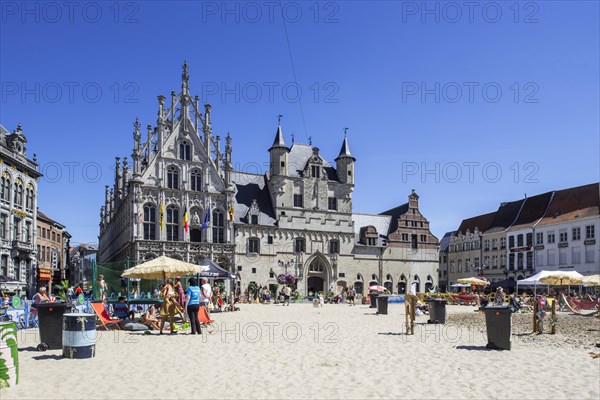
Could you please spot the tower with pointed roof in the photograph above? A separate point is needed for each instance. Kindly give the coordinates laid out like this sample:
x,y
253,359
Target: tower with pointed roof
x,y
279,154
345,164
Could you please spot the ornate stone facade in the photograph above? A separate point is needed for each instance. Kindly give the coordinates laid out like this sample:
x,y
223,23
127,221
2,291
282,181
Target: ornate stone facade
x,y
296,219
18,215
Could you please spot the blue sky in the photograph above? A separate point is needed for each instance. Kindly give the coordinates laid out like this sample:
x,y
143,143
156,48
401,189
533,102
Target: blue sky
x,y
504,88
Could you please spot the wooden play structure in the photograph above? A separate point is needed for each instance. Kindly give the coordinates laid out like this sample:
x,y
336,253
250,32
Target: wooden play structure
x,y
410,307
538,323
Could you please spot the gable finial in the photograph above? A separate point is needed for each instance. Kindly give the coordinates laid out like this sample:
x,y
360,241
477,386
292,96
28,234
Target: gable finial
x,y
292,138
310,140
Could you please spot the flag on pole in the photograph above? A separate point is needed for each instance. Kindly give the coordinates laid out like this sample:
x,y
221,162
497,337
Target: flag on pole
x,y
186,220
140,215
206,220
162,217
230,211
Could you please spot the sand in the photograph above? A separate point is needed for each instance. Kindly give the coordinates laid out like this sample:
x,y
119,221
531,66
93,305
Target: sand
x,y
337,352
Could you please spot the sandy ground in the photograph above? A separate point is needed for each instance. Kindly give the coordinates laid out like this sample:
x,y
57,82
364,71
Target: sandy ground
x,y
337,352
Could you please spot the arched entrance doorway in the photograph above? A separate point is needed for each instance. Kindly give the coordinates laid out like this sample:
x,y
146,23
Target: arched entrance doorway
x,y
317,275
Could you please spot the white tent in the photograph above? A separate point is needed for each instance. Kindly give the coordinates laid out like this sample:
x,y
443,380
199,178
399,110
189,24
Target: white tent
x,y
535,279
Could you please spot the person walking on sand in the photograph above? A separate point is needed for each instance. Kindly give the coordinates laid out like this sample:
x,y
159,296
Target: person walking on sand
x,y
351,296
205,293
169,306
101,287
181,299
287,292
192,296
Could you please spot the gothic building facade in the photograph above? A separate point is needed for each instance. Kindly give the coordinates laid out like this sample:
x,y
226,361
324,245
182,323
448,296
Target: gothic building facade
x,y
182,199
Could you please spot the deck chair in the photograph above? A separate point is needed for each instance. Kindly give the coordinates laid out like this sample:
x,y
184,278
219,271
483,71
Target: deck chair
x,y
574,308
104,317
205,321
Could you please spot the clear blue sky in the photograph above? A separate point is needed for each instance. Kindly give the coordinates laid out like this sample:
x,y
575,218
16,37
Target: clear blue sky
x,y
374,67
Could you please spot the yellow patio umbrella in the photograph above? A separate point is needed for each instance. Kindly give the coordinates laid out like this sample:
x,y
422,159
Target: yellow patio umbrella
x,y
561,279
591,280
473,281
163,267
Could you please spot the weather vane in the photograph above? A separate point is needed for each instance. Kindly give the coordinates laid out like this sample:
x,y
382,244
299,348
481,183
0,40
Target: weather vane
x,y
345,131
279,119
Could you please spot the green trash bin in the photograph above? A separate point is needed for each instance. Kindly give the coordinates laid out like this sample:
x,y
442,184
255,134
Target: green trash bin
x,y
382,304
498,322
437,311
373,300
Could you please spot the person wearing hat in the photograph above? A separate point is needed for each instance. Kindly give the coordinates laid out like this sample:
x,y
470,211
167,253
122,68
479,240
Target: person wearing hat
x,y
499,296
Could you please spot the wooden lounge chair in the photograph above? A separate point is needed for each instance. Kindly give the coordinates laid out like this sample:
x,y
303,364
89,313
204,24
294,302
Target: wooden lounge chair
x,y
103,316
205,321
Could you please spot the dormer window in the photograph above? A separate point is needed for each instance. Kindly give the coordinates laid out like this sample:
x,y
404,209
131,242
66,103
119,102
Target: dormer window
x,y
368,235
315,171
185,151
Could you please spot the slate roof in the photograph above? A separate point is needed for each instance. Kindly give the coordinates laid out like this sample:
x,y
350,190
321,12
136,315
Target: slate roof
x,y
445,242
481,222
278,142
506,214
533,209
251,187
574,202
345,150
395,213
380,222
298,157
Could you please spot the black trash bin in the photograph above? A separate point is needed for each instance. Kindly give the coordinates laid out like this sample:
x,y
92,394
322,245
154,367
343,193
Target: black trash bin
x,y
50,320
373,302
498,324
437,311
382,304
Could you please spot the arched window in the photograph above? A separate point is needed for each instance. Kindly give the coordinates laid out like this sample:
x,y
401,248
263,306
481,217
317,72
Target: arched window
x,y
172,177
196,180
29,197
316,266
218,223
5,188
185,151
172,224
299,245
18,194
149,222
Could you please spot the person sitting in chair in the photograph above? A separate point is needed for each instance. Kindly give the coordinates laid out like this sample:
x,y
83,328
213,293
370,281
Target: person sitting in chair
x,y
122,310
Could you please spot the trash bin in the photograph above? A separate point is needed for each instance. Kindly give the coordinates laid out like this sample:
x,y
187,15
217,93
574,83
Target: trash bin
x,y
437,311
79,335
50,321
9,354
373,300
499,327
382,304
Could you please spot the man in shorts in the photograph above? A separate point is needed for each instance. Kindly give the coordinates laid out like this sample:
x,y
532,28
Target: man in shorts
x,y
287,291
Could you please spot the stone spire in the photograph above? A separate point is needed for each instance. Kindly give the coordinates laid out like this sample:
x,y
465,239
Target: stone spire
x,y
228,166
